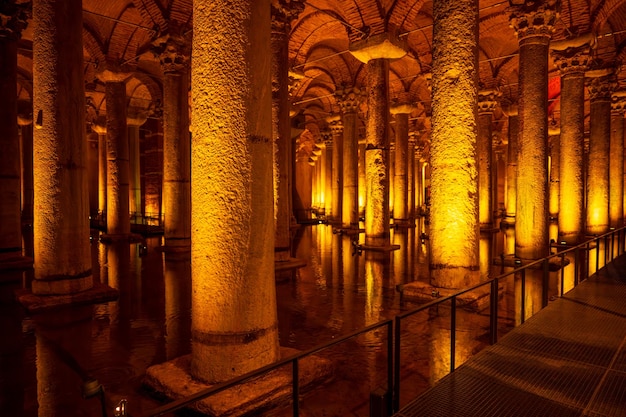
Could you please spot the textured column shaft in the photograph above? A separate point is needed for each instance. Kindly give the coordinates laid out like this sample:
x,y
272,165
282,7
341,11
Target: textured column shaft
x,y
61,214
10,176
176,205
350,199
531,220
410,178
571,178
134,170
454,227
598,168
511,169
118,221
234,323
616,170
93,173
362,188
337,174
377,154
328,185
554,147
401,178
485,171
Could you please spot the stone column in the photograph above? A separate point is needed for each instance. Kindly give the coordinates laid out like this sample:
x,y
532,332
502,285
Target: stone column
x,y
176,205
118,167
349,100
511,166
134,120
336,128
101,129
401,174
61,214
454,226
376,51
362,178
25,122
554,150
616,161
283,12
328,166
571,58
411,183
486,106
152,152
13,21
533,23
600,84
234,322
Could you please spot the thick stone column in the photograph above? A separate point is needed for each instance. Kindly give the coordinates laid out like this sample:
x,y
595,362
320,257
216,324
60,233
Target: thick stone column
x,y
349,100
571,58
454,226
328,166
362,178
283,12
616,161
234,323
600,84
401,174
554,150
176,205
61,215
511,165
134,120
101,129
336,128
533,23
118,166
486,106
410,178
12,22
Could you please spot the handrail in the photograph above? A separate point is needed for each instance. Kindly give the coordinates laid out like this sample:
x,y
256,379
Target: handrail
x,y
395,329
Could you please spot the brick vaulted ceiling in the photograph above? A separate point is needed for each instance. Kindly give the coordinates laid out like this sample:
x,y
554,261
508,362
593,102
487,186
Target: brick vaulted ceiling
x,y
123,30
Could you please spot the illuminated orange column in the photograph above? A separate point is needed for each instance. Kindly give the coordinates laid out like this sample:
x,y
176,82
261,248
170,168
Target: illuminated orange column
x,y
410,175
571,58
328,166
401,178
600,85
616,162
152,161
336,128
10,175
533,24
234,322
511,164
486,106
454,226
282,15
61,213
101,129
349,99
118,168
133,121
361,178
176,205
554,149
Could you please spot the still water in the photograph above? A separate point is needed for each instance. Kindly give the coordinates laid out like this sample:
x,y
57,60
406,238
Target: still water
x,y
46,358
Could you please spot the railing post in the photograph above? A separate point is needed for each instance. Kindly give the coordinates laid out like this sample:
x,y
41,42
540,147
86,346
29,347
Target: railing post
x,y
396,365
577,261
295,388
452,333
523,300
597,254
562,274
493,317
545,283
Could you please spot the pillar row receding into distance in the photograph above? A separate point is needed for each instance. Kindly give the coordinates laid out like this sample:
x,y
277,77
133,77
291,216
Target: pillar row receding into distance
x,y
14,20
510,204
600,83
533,23
487,102
134,120
375,52
402,155
571,58
336,128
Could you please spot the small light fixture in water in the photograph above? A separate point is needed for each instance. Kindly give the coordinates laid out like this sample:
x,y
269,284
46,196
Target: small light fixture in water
x,y
120,409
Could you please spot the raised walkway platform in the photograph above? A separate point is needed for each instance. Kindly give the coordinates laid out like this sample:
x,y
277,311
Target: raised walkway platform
x,y
569,359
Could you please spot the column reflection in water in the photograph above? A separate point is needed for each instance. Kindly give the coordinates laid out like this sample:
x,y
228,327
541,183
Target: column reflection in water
x,y
401,258
12,371
349,277
177,276
485,255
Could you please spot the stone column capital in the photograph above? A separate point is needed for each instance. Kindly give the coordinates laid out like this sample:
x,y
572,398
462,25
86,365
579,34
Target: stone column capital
x,y
601,83
99,125
335,124
327,137
618,102
173,50
294,79
534,18
283,13
386,45
136,117
572,56
402,108
14,18
349,99
488,100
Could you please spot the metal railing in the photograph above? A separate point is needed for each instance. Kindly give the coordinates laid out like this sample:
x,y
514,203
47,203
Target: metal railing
x,y
580,255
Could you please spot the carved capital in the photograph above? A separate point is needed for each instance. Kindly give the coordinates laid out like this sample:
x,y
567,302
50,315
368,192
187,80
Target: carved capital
x,y
14,18
335,124
534,18
295,78
283,13
349,99
488,100
173,49
327,138
618,102
573,55
601,84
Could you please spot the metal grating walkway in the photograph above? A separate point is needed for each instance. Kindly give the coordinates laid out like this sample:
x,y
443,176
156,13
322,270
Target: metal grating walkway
x,y
567,360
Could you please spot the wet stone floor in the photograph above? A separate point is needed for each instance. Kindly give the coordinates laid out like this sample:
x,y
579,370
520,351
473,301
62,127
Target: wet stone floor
x,y
46,358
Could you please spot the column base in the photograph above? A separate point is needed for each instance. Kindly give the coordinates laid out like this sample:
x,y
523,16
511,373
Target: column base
x,y
488,228
376,248
347,230
16,263
403,223
284,269
35,304
507,222
120,237
422,293
173,381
